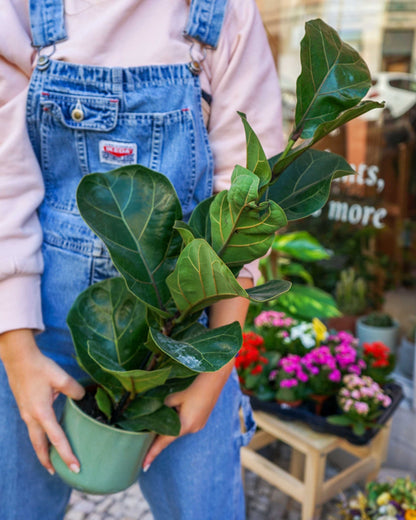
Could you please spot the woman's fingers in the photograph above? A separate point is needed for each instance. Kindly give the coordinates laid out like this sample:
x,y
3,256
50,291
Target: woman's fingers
x,y
67,385
159,444
40,445
58,439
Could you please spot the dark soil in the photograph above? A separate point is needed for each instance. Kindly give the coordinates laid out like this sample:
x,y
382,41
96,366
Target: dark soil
x,y
89,406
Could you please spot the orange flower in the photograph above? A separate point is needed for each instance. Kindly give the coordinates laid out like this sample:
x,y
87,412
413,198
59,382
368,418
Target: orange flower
x,y
410,514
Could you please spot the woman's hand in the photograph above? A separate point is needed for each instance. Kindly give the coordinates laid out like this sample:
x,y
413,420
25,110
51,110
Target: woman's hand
x,y
194,406
36,381
196,403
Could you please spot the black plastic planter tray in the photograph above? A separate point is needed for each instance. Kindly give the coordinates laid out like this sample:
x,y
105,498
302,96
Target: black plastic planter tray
x,y
305,413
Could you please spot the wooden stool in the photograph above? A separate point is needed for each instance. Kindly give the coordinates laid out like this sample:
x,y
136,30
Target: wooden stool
x,y
306,480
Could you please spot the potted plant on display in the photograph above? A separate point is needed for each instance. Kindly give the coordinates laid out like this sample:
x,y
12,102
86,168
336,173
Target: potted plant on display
x,y
252,364
289,258
290,381
139,335
360,401
407,352
380,361
378,326
322,378
350,296
394,500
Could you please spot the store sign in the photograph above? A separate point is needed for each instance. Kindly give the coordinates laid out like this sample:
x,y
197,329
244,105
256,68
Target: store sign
x,y
358,214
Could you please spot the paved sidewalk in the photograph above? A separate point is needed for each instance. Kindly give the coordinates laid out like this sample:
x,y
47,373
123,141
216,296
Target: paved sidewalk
x,y
264,502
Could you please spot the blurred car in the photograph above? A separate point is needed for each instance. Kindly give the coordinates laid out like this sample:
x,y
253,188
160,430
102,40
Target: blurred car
x,y
397,89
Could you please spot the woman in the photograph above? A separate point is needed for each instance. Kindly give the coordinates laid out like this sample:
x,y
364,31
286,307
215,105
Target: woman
x,y
89,85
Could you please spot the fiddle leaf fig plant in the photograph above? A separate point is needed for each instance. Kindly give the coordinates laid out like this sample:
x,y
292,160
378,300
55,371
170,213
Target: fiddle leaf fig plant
x,y
142,335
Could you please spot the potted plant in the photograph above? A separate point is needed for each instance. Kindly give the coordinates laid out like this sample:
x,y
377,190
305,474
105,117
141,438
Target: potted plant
x,y
380,362
290,381
407,352
289,258
394,500
350,296
253,364
378,326
138,335
360,400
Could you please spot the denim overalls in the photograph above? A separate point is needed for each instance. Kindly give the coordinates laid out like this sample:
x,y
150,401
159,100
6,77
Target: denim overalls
x,y
84,119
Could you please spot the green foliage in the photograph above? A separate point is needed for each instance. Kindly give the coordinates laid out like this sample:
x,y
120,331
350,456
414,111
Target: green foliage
x,y
378,319
138,335
304,301
350,293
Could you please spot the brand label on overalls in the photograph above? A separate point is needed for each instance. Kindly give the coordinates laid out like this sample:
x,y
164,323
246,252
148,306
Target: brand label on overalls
x,y
115,152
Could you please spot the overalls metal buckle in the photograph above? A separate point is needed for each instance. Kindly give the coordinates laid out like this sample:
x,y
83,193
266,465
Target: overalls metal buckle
x,y
44,59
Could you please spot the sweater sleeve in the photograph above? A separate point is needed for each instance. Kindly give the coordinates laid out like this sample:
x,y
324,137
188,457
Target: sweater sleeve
x,y
243,78
21,184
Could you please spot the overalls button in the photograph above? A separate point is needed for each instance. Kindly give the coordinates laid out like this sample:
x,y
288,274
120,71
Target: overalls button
x,y
77,114
43,62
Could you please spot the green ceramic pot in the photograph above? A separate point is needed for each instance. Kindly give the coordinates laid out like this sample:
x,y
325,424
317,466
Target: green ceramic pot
x,y
110,458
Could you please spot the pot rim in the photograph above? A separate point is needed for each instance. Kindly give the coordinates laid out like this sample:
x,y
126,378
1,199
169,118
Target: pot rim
x,y
395,325
72,403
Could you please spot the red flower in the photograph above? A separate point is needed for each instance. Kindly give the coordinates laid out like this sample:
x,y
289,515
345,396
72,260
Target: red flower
x,y
256,370
380,363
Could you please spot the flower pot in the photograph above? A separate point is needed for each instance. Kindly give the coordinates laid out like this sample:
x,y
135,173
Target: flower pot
x,y
369,334
319,400
345,322
407,357
289,404
110,458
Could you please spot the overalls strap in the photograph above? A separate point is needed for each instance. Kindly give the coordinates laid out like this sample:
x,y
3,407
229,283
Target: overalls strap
x,y
47,22
205,21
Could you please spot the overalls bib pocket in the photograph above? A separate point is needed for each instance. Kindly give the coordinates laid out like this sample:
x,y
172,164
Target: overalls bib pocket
x,y
66,123
103,138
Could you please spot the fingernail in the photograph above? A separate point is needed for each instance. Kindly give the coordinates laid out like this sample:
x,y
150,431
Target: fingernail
x,y
51,471
145,468
74,468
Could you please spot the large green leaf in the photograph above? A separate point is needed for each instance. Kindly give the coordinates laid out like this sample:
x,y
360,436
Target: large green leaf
x,y
199,220
304,186
108,314
268,291
201,278
290,269
256,158
164,421
206,351
306,302
134,381
281,161
334,78
301,245
133,209
243,229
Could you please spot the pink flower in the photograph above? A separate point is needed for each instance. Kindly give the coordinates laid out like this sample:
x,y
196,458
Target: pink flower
x,y
355,394
354,369
347,405
335,376
302,376
288,383
362,408
273,375
386,401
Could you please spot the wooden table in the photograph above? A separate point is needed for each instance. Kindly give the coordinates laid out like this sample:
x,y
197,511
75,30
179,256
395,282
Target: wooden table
x,y
305,481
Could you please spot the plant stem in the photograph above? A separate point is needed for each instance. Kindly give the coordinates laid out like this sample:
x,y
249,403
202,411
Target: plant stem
x,y
119,409
289,146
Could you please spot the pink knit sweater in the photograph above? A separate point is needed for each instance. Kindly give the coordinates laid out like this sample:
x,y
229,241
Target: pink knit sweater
x,y
239,74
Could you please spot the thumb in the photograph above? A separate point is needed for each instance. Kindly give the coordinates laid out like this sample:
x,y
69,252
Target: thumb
x,y
67,385
159,444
